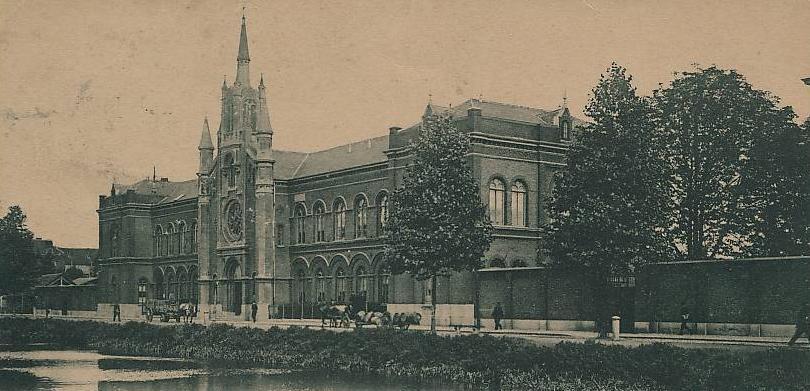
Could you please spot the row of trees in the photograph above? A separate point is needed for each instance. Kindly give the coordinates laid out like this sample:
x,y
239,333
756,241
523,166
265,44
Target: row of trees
x,y
706,167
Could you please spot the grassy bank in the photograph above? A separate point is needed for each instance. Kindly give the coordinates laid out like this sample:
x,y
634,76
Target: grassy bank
x,y
472,360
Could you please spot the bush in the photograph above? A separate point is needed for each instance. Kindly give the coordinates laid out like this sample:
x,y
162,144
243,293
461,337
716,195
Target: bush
x,y
473,360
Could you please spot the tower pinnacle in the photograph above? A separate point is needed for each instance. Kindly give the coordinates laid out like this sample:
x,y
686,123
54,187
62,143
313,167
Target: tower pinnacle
x,y
243,57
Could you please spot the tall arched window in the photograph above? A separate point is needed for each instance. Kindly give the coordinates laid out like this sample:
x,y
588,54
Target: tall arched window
x,y
192,247
340,286
566,130
115,237
519,217
182,231
229,170
339,210
360,216
320,286
158,237
320,212
300,215
170,240
497,200
382,211
361,281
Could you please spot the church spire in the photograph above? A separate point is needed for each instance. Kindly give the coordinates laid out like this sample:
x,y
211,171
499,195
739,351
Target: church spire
x,y
243,58
205,138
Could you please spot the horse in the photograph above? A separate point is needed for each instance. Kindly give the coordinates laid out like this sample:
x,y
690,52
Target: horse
x,y
404,320
334,313
188,312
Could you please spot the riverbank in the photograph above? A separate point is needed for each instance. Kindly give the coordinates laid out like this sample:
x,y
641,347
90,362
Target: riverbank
x,y
473,360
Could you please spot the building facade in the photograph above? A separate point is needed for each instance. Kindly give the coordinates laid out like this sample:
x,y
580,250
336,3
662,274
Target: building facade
x,y
291,229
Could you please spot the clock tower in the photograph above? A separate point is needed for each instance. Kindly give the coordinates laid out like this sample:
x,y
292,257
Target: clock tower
x,y
236,197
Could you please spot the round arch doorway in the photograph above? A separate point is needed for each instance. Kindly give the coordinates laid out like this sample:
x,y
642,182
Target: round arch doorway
x,y
233,288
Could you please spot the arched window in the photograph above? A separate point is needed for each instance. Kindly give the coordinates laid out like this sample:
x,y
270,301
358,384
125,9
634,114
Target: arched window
x,y
182,231
158,237
170,240
339,210
361,281
497,200
229,170
382,211
142,289
193,238
519,217
320,286
383,284
115,237
319,210
340,286
300,215
360,216
566,130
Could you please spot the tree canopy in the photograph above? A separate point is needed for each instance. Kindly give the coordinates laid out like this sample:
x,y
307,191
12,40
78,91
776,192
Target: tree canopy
x,y
606,206
19,264
437,223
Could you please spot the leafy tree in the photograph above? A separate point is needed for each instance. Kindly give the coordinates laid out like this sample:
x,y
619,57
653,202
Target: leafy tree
x,y
607,208
775,188
720,143
437,223
19,264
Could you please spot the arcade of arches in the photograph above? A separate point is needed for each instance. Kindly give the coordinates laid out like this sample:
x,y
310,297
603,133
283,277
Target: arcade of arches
x,y
340,280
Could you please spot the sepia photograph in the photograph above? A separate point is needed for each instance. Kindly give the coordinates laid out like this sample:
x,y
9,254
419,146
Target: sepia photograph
x,y
422,195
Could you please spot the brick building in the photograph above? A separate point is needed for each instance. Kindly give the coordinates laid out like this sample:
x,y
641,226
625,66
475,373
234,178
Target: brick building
x,y
288,229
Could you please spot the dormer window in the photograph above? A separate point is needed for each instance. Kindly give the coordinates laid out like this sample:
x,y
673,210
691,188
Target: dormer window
x,y
565,128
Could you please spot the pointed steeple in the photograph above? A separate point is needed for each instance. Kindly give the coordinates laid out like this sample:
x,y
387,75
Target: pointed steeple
x,y
205,138
263,114
243,58
243,43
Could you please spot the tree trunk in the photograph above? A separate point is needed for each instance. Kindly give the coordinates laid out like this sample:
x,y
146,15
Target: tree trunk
x,y
433,305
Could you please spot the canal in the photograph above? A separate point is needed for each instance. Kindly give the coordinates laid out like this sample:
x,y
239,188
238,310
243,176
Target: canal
x,y
87,370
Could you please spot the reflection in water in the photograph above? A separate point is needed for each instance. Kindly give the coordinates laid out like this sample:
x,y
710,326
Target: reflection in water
x,y
74,370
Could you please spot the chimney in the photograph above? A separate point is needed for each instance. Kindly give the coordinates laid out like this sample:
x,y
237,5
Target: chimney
x,y
394,130
473,116
164,179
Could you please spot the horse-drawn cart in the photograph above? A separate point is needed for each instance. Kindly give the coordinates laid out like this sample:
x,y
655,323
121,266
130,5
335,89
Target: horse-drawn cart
x,y
169,309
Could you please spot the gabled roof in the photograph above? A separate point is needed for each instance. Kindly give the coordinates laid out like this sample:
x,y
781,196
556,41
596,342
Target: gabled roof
x,y
345,156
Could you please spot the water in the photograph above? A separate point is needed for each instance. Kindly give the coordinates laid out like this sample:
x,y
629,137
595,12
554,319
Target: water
x,y
84,370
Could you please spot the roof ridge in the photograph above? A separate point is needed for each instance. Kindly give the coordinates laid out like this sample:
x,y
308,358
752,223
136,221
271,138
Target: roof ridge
x,y
295,173
510,104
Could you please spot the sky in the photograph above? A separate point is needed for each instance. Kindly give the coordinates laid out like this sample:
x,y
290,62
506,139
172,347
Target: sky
x,y
93,92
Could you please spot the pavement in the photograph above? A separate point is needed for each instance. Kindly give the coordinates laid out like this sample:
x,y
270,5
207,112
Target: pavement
x,y
539,337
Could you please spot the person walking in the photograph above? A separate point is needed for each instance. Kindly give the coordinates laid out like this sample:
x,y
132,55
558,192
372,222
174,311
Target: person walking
x,y
802,324
684,319
116,312
497,315
254,308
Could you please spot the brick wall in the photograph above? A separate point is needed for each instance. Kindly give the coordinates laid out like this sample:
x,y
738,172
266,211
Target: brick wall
x,y
753,291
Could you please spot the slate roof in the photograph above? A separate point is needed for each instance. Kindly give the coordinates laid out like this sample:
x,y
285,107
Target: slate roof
x,y
292,165
166,191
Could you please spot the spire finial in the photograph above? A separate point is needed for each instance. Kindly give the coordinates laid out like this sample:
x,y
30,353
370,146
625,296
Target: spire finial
x,y
261,80
243,57
565,98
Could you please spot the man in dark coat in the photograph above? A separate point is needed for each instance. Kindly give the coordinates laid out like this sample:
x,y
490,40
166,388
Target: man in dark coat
x,y
116,312
684,319
254,308
802,324
497,315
